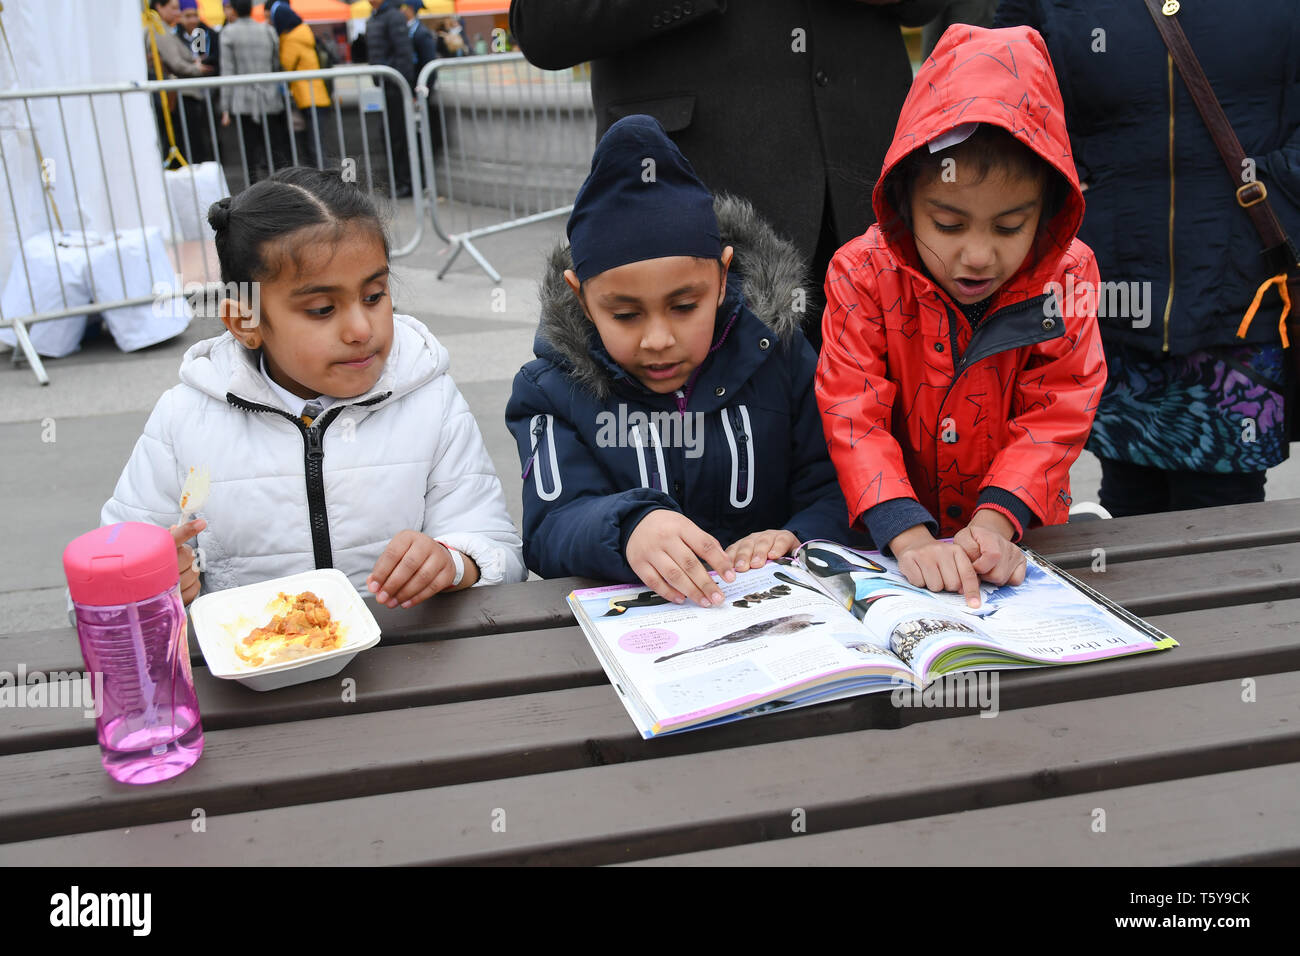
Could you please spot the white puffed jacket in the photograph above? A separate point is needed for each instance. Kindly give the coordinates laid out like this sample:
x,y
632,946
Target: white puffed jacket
x,y
287,498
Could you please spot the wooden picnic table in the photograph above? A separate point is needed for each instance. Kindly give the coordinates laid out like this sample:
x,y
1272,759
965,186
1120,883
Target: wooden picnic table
x,y
484,731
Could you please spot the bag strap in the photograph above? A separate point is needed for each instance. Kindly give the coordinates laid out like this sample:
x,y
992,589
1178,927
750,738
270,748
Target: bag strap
x,y
1251,196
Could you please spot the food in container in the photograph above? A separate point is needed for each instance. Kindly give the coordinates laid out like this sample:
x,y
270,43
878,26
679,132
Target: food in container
x,y
224,619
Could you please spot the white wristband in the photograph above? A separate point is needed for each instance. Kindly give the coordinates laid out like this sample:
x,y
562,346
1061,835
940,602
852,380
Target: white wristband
x,y
458,562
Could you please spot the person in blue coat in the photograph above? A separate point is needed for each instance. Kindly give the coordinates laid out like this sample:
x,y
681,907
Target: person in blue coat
x,y
424,47
1195,407
670,409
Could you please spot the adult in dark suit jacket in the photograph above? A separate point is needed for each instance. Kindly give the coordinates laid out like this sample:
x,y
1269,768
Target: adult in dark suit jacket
x,y
788,103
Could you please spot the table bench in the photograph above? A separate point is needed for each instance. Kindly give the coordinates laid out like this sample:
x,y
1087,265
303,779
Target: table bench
x,y
483,731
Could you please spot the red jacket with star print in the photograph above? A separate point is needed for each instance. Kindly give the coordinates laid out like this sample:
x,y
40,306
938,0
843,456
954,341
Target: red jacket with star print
x,y
916,407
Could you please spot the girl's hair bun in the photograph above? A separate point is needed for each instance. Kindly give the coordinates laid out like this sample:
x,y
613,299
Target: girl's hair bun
x,y
219,214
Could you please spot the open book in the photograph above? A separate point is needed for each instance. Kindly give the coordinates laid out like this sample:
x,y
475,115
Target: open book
x,y
832,622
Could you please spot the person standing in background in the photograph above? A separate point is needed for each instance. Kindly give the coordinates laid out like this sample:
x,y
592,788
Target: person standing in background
x,y
198,36
451,37
423,45
310,97
1193,413
198,39
388,43
790,104
252,47
424,49
178,61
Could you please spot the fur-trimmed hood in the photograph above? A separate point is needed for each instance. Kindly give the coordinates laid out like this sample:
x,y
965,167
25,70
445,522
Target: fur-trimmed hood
x,y
766,275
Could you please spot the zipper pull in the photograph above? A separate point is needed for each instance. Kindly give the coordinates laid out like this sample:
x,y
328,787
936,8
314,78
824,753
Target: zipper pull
x,y
315,445
538,430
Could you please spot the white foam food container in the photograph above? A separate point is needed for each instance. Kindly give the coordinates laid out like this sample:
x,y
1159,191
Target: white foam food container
x,y
222,618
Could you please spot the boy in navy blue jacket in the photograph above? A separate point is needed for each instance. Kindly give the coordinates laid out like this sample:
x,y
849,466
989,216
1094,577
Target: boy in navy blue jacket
x,y
670,408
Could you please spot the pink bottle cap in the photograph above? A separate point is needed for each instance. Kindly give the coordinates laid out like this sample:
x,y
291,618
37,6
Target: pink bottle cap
x,y
120,564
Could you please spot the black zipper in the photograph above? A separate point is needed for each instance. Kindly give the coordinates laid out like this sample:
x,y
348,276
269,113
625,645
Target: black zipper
x,y
658,482
742,458
313,462
313,438
538,457
542,451
537,437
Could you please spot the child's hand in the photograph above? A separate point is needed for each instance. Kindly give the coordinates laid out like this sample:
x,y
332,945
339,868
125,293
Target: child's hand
x,y
412,568
987,542
937,565
186,563
755,550
667,551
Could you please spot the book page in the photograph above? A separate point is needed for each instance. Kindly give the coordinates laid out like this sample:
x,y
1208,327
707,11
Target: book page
x,y
858,579
1046,619
775,632
1042,621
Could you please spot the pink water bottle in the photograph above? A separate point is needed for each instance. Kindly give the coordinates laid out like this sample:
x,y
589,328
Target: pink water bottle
x,y
131,623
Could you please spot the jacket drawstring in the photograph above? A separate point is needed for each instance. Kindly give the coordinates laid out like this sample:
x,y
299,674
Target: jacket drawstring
x,y
653,476
1279,281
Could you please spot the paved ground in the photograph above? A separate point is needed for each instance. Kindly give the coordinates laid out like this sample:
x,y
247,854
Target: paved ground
x,y
64,445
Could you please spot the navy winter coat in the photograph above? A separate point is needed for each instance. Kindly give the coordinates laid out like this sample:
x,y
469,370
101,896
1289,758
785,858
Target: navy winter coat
x,y
600,451
1161,203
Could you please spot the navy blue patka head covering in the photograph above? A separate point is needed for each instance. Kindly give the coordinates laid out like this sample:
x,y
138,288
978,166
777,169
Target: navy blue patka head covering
x,y
641,200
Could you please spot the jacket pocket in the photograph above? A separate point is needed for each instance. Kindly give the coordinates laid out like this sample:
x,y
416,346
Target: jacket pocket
x,y
740,442
546,466
673,112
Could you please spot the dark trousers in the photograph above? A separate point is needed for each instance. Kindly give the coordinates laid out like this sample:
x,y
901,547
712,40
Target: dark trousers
x,y
318,119
393,99
195,131
1128,489
277,130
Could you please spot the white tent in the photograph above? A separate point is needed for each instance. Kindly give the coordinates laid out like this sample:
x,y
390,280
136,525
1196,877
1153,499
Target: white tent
x,y
99,154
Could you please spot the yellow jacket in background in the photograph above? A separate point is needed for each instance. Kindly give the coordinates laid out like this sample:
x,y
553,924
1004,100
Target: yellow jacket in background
x,y
298,52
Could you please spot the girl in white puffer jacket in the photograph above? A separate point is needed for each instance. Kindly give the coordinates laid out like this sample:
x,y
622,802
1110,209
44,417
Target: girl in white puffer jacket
x,y
333,434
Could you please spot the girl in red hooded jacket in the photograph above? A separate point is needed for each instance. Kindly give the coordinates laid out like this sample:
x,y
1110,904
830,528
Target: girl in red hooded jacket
x,y
962,362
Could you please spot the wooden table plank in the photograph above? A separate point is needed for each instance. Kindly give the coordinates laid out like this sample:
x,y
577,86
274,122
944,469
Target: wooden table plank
x,y
1174,823
1145,587
633,810
1189,582
1222,528
526,606
1148,587
383,678
1219,643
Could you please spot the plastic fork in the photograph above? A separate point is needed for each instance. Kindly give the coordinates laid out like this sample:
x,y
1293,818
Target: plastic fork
x,y
194,494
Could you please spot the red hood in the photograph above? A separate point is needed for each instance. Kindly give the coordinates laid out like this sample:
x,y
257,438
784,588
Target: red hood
x,y
1003,77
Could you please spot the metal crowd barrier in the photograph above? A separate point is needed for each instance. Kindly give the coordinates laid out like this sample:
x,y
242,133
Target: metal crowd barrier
x,y
336,135
503,144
